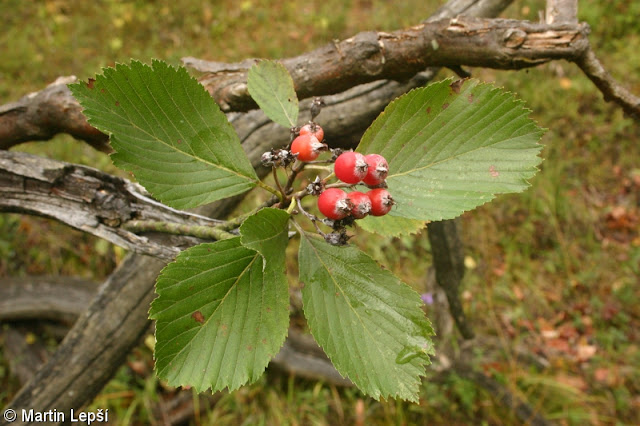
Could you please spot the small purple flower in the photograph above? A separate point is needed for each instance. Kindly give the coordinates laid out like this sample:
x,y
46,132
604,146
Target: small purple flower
x,y
427,298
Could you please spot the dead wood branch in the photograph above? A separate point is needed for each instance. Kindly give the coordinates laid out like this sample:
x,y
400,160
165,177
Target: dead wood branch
x,y
91,201
41,115
610,88
448,261
98,343
55,298
371,56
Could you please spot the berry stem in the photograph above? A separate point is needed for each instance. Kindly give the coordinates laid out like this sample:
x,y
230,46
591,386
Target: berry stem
x,y
291,207
340,185
275,178
314,219
316,165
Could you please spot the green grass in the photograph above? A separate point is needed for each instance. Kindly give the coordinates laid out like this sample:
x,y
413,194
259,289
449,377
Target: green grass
x,y
556,267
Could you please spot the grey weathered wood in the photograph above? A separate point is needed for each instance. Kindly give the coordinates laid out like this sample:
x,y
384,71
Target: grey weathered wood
x,y
55,298
41,115
98,343
89,200
448,261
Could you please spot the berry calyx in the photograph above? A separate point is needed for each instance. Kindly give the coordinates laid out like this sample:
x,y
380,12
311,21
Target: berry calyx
x,y
377,170
381,201
334,203
351,167
313,129
361,204
307,147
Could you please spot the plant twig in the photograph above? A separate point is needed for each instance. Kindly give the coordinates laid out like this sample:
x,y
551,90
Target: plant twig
x,y
610,88
199,231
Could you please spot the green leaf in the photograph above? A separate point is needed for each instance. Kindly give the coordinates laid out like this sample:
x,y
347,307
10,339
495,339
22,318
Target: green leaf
x,y
167,131
369,323
452,147
220,316
391,226
271,86
266,233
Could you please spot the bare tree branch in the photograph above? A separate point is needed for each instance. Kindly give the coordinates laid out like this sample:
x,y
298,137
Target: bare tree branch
x,y
365,57
91,201
370,56
610,88
448,261
566,11
41,115
54,298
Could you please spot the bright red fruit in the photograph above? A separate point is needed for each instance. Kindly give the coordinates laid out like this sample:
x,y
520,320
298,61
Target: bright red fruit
x,y
307,146
361,204
334,203
313,129
377,169
350,167
381,201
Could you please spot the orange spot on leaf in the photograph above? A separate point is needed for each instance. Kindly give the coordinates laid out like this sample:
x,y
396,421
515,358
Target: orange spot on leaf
x,y
197,315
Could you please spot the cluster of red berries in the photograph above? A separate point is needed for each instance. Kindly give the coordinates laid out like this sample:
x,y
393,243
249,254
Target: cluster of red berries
x,y
352,168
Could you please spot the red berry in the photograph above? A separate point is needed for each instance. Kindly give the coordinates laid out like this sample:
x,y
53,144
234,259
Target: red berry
x,y
361,204
377,170
334,204
313,129
307,146
351,167
381,201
